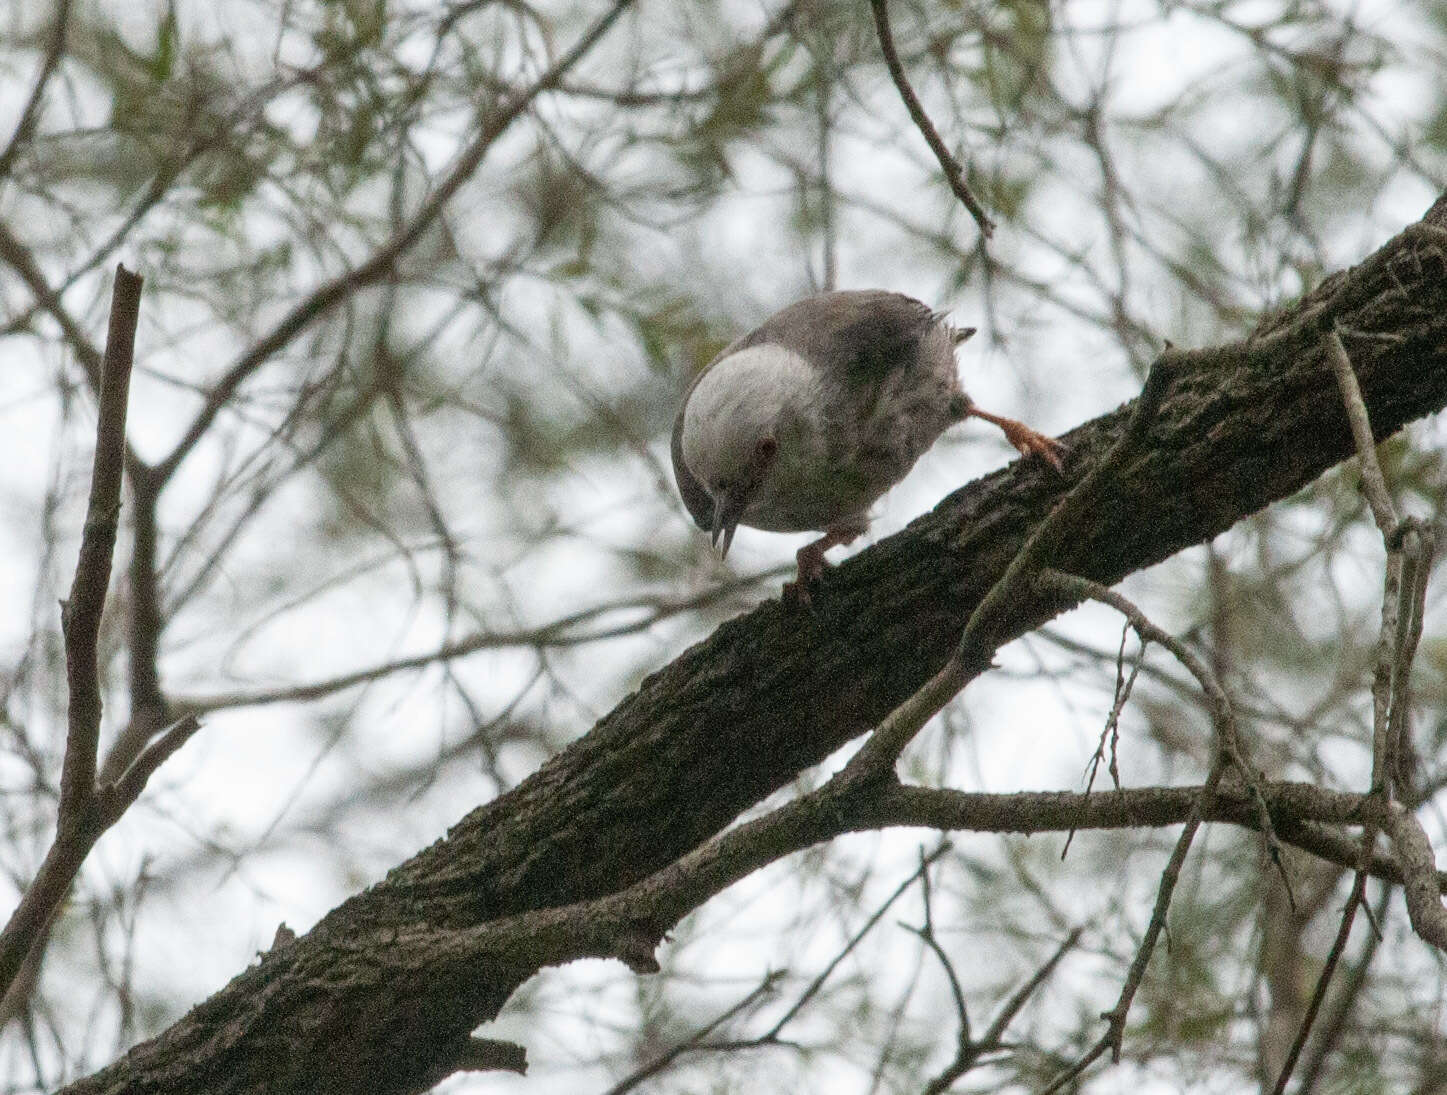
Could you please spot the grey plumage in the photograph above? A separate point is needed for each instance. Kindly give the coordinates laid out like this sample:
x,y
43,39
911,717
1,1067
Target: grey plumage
x,y
804,422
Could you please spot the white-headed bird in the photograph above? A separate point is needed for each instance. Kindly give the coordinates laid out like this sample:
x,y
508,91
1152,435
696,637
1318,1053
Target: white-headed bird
x,y
801,424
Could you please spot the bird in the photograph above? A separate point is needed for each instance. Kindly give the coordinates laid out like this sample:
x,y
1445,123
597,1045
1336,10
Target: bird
x,y
804,422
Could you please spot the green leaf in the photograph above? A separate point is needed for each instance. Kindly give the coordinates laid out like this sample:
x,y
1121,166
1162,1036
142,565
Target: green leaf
x,y
163,61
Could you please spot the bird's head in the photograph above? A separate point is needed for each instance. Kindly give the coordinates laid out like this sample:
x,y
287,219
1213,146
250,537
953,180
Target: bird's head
x,y
731,434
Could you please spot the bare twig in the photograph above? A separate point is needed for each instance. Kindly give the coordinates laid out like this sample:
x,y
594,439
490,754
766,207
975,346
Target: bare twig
x,y
965,1054
1417,547
969,1050
1228,754
116,798
1223,716
925,863
19,257
1338,948
770,1037
148,701
1409,550
1110,733
1374,484
79,821
1021,996
639,614
1344,1001
699,1038
81,614
953,169
1114,1036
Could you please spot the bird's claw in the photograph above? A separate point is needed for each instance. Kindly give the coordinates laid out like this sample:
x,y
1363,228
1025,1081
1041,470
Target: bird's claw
x,y
811,567
796,595
1034,443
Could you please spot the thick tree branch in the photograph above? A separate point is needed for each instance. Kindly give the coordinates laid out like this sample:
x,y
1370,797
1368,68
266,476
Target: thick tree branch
x,y
386,983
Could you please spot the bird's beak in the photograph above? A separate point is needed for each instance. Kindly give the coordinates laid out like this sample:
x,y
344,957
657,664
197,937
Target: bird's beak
x,y
726,513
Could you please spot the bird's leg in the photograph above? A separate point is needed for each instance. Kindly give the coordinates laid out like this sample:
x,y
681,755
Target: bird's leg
x,y
811,561
1025,439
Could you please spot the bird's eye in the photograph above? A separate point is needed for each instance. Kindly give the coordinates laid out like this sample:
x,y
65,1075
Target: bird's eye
x,y
722,486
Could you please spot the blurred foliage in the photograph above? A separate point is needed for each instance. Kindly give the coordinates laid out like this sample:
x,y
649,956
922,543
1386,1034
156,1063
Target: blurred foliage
x,y
414,388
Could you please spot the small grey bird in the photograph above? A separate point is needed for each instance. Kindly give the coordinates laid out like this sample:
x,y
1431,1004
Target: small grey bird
x,y
801,424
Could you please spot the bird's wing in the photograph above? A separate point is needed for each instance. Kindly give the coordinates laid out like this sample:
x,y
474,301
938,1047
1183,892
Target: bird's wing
x,y
861,334
696,498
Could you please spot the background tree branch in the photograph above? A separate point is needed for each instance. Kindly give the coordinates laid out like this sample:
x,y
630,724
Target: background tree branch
x,y
81,813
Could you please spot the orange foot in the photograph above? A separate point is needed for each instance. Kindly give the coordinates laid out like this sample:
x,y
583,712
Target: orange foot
x,y
1026,440
811,562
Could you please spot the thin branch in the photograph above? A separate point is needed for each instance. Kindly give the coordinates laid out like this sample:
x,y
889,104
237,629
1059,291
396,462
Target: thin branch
x,y
383,261
953,169
1338,948
1223,716
1345,1000
969,1050
1116,1017
697,1040
1409,549
844,806
927,934
53,50
1229,752
925,863
1021,996
1417,546
565,631
22,261
148,701
81,615
78,820
116,798
1111,731
1374,484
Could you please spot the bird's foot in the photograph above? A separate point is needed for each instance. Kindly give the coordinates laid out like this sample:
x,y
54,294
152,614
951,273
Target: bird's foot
x,y
1032,442
811,567
812,564
796,595
1027,441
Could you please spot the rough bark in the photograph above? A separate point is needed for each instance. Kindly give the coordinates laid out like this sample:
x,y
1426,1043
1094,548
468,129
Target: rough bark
x,y
382,995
